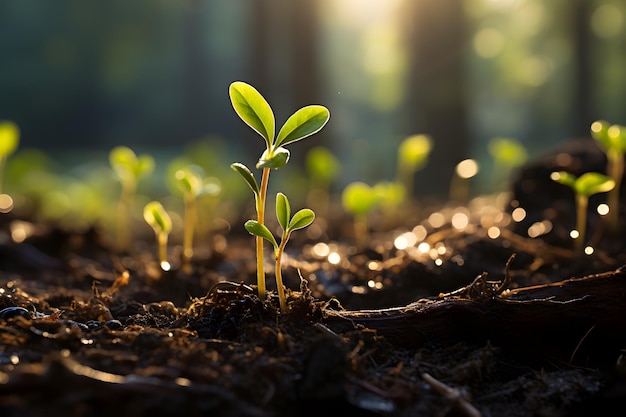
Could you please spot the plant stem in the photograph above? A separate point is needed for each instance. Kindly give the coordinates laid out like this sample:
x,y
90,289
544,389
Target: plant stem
x,y
260,209
582,203
190,220
162,238
279,275
125,213
2,162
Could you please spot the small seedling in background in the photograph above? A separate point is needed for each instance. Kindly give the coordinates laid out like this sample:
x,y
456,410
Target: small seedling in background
x,y
302,218
254,110
160,221
507,155
359,199
9,141
191,182
413,155
612,140
323,168
389,196
129,168
459,185
585,186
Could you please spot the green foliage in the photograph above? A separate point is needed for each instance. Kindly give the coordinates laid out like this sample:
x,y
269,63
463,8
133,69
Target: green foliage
x,y
301,219
9,141
322,165
160,221
359,198
508,152
255,111
585,186
413,152
612,140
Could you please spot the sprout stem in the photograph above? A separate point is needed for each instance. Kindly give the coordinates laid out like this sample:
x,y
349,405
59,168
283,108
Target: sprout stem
x,y
582,203
616,171
190,220
162,239
279,275
259,240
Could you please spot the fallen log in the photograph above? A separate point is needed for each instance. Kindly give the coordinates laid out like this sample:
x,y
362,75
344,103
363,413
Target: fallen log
x,y
577,320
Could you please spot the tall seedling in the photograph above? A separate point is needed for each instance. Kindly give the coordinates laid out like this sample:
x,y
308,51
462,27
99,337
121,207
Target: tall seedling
x,y
254,110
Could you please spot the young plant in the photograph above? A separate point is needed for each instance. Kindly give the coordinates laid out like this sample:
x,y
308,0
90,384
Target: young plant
x,y
9,141
507,154
612,140
323,168
254,110
359,199
459,184
585,186
129,168
413,155
190,181
160,221
288,224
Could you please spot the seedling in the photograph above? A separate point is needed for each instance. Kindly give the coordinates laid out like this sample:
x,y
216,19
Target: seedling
x,y
612,140
413,155
323,168
302,218
254,110
507,154
389,196
359,199
9,141
129,168
191,182
160,221
459,184
586,185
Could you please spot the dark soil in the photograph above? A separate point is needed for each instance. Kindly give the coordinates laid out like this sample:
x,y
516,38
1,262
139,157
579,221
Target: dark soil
x,y
86,332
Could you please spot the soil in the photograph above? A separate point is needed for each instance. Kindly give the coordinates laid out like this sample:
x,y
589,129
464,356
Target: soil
x,y
485,321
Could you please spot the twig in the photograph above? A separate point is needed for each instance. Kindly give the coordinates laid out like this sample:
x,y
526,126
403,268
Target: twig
x,y
454,395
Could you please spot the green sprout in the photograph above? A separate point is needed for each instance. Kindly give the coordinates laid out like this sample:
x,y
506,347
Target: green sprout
x,y
612,140
323,168
254,110
129,168
302,218
191,182
359,199
586,185
9,141
160,221
413,155
507,154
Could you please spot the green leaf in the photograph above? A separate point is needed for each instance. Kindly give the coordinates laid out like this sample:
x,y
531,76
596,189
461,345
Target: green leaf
x,y
253,109
156,216
303,123
278,158
301,219
508,151
599,130
247,176
126,164
283,210
359,198
591,183
9,138
321,164
617,138
564,178
257,229
413,152
145,166
188,181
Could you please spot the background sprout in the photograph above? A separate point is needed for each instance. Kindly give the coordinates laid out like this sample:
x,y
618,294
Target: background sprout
x,y
359,199
288,224
584,186
323,168
612,140
254,110
129,168
160,221
459,185
9,141
507,154
191,182
413,155
389,196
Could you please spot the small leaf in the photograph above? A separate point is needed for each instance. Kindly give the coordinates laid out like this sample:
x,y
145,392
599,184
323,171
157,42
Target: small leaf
x,y
599,130
508,151
145,166
247,176
156,216
591,183
278,159
617,138
359,198
188,181
257,229
413,152
564,178
303,123
253,109
9,138
322,165
301,219
283,210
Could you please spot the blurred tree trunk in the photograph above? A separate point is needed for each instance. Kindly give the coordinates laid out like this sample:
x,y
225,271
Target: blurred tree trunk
x,y
435,35
583,100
